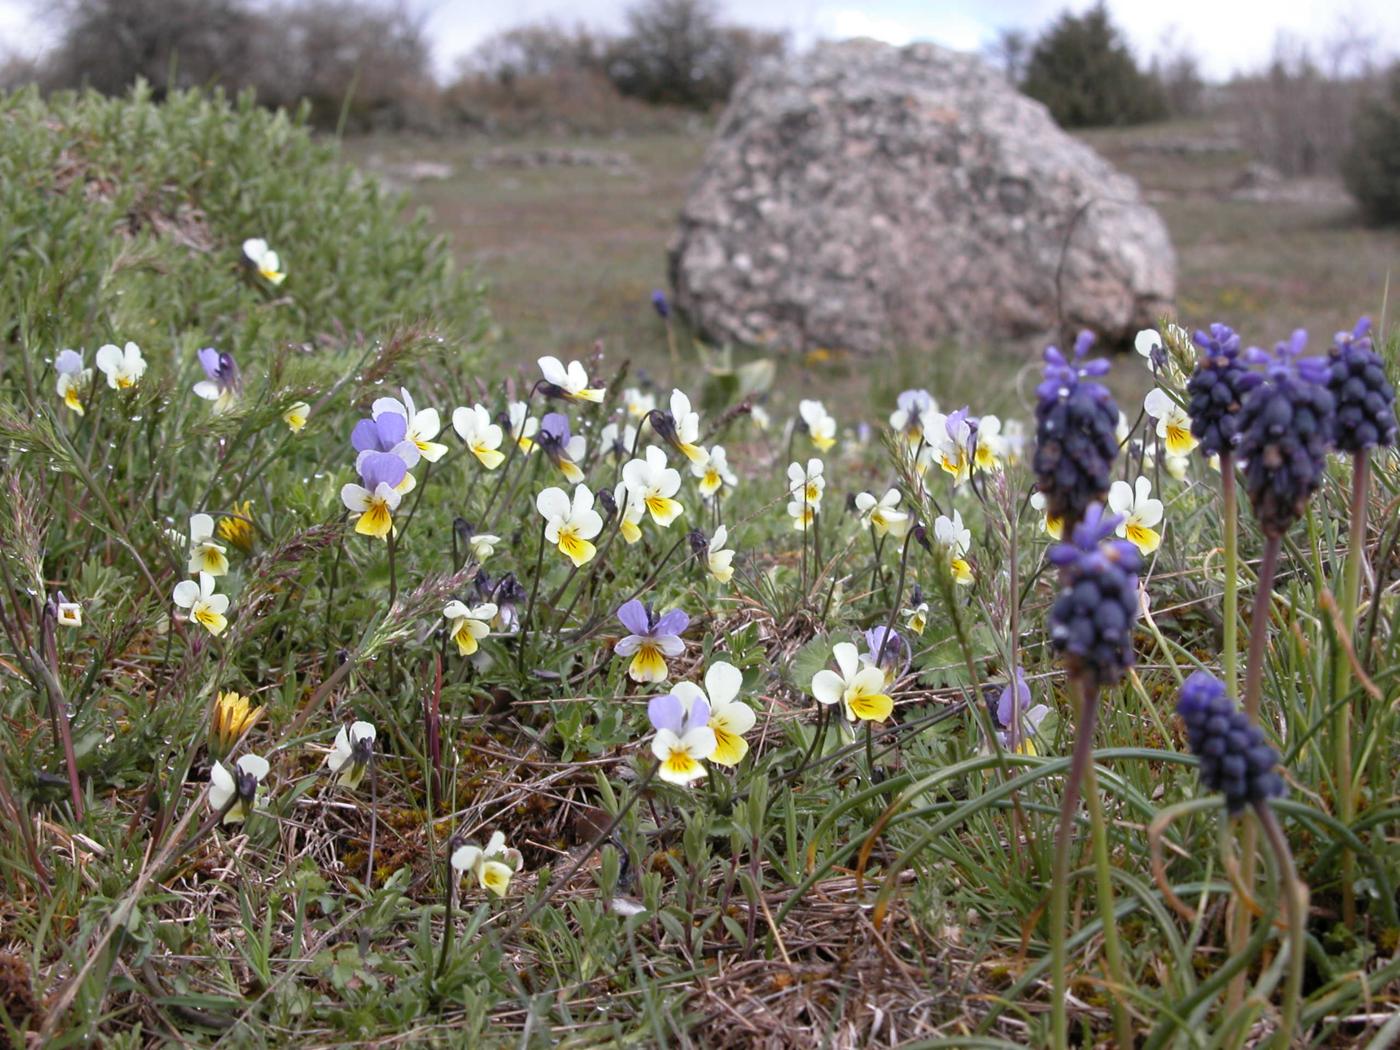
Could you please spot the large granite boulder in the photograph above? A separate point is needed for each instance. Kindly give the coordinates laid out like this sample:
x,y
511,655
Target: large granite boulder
x,y
863,195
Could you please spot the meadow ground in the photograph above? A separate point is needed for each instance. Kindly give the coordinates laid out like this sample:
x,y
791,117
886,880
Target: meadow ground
x,y
329,719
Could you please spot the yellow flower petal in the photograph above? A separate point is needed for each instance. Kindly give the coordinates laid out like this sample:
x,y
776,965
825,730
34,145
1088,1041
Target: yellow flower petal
x,y
577,549
869,707
376,521
648,664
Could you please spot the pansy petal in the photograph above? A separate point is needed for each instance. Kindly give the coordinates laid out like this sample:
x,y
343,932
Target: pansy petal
x,y
633,615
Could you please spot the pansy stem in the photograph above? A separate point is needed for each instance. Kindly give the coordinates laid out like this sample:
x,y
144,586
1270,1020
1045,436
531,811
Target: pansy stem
x,y
1295,900
528,620
1064,839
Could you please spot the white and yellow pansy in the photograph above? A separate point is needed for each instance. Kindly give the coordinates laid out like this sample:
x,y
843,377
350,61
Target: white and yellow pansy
x,y
202,604
656,484
570,523
714,473
492,866
480,434
123,367
205,554
569,382
1140,513
1173,424
468,625
882,516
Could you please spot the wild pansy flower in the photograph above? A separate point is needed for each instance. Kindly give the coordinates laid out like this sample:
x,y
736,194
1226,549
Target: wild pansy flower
x,y
482,437
651,640
1075,445
949,441
683,739
730,718
205,607
122,367
1217,389
386,432
1017,718
718,560
894,662
655,483
483,545
907,420
1285,428
1049,524
821,427
1013,440
233,794
237,528
714,473
66,613
352,753
467,626
234,714
264,260
296,415
680,427
1173,424
989,447
1092,618
375,501
74,381
638,404
523,426
807,484
564,450
205,554
954,540
420,425
1365,399
617,441
916,616
221,383
492,866
1234,757
569,525
570,383
760,417
631,511
1138,512
882,515
858,689
508,593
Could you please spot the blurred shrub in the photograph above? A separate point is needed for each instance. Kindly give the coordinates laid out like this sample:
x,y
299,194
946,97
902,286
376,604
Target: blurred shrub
x,y
678,53
1371,166
1083,72
121,219
368,61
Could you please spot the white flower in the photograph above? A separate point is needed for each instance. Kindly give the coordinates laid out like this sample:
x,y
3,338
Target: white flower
x,y
821,427
915,406
719,561
638,404
492,866
467,626
123,368
631,511
1123,430
682,430
730,717
714,473
523,426
205,607
423,425
482,437
955,541
991,446
1147,341
760,417
70,614
239,788
806,485
881,515
949,438
74,380
655,483
617,441
1173,424
264,260
351,753
374,507
570,525
1013,440
483,545
296,415
860,690
1051,526
1140,513
916,619
570,382
205,554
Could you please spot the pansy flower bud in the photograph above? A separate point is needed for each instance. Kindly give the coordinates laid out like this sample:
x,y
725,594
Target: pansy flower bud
x,y
1233,754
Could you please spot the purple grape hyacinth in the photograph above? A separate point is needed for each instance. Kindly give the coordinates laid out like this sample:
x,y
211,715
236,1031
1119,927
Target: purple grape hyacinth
x,y
1285,429
1365,399
1217,389
1076,432
1092,619
1233,754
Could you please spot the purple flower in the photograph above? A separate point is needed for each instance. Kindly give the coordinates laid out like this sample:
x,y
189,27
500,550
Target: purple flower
x,y
221,383
376,467
1076,438
1217,389
651,640
684,739
1018,719
1234,757
387,434
670,712
660,305
563,449
1365,399
1092,618
896,658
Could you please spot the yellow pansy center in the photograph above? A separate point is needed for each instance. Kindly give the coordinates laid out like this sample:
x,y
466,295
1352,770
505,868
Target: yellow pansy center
x,y
573,546
648,664
377,518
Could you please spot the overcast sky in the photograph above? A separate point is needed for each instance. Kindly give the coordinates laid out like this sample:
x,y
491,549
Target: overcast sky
x,y
1227,35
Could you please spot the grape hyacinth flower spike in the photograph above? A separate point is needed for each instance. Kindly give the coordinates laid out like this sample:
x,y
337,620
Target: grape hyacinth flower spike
x,y
1216,391
1075,438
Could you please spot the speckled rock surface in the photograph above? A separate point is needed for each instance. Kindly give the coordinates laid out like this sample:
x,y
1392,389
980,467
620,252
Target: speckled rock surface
x,y
863,195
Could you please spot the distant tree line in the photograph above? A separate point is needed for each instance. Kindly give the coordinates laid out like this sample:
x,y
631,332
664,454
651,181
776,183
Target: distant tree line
x,y
369,63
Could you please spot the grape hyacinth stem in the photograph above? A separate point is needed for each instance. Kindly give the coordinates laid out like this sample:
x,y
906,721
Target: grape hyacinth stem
x,y
1341,720
1113,953
1230,638
1086,718
1295,901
